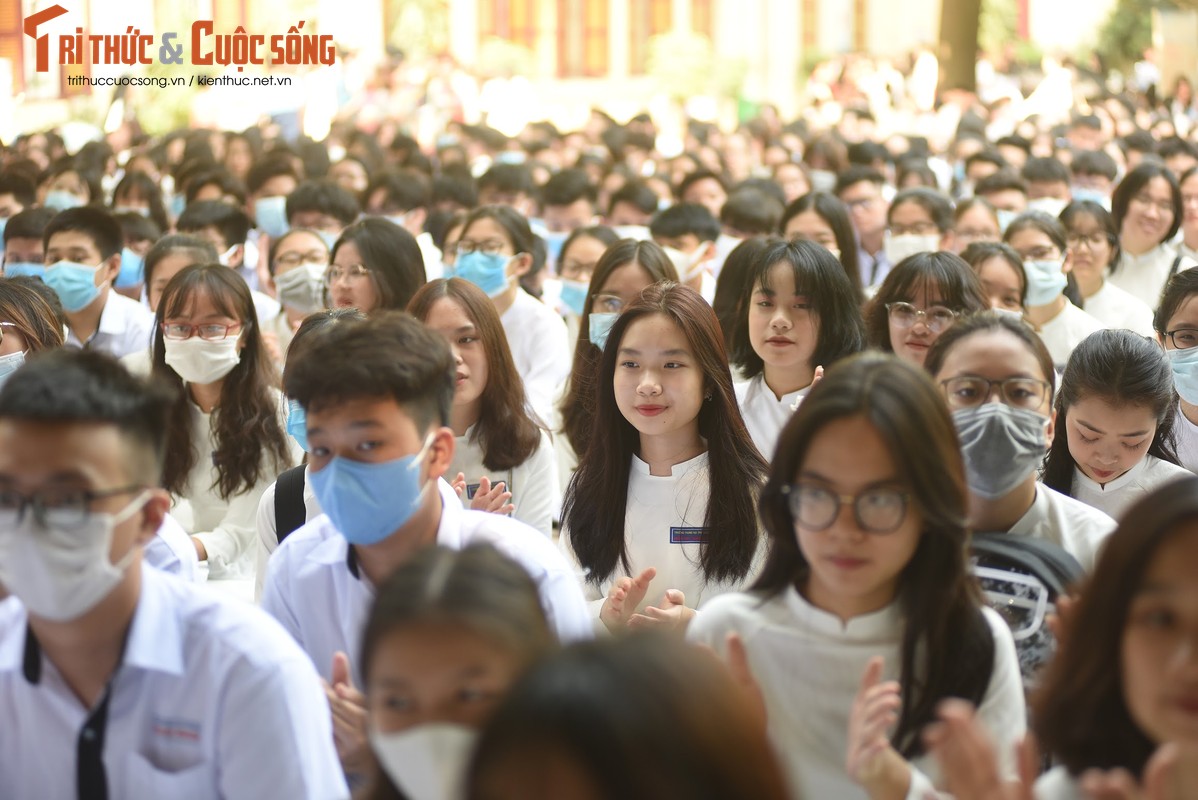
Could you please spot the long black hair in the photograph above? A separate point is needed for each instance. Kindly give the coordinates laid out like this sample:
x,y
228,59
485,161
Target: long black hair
x,y
593,510
1125,369
947,644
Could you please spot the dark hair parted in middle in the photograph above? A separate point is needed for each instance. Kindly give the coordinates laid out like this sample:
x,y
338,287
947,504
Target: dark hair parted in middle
x,y
250,441
822,280
638,718
390,355
593,508
578,406
392,256
1081,714
831,210
947,645
505,431
945,278
1124,369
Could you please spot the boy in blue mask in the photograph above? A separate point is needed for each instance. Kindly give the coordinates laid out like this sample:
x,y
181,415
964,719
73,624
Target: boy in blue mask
x,y
23,250
322,206
377,395
226,227
83,259
123,680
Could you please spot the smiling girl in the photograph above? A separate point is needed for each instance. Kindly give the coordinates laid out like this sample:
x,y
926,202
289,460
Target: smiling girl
x,y
1117,407
666,489
1093,240
800,312
1146,206
866,595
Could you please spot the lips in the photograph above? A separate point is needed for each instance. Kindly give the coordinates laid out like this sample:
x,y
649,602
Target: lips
x,y
779,341
918,345
650,411
1102,474
459,379
846,562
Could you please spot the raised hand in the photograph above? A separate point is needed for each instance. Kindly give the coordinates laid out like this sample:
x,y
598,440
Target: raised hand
x,y
623,598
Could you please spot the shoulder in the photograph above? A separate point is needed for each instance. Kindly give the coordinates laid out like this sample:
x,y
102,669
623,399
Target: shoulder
x,y
529,309
316,541
1078,320
520,542
745,389
731,612
1075,511
1057,784
1160,471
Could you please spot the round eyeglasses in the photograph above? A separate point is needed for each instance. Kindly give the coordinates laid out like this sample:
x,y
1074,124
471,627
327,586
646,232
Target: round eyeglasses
x,y
905,315
878,510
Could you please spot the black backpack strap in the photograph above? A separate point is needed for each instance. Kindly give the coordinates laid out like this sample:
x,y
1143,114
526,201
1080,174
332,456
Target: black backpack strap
x,y
1173,269
1054,567
290,512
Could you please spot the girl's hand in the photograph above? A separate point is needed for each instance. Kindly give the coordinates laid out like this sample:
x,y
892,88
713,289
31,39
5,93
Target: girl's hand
x,y
1171,774
459,484
738,665
492,499
623,598
871,761
673,614
968,760
348,708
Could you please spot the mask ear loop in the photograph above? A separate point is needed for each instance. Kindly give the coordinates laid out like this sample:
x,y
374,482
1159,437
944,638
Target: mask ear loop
x,y
135,505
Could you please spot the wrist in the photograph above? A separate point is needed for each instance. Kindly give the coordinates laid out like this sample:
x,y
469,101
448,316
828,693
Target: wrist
x,y
891,780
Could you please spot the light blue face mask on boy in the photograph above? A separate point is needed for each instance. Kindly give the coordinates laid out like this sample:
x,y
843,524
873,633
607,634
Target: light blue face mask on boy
x,y
75,284
369,502
131,269
297,423
1185,373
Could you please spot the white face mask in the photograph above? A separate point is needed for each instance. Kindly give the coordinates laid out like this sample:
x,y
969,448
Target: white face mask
x,y
689,265
1051,206
427,762
302,288
62,573
196,360
899,247
226,257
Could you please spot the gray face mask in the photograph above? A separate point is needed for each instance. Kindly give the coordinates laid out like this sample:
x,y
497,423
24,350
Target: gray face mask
x,y
1002,446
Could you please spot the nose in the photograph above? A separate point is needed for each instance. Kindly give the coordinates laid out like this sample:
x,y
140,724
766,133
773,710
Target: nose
x,y
780,320
649,385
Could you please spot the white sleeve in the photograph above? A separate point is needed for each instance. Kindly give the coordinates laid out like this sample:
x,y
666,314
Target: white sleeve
x,y
233,537
538,488
172,550
550,367
276,734
276,595
594,594
268,538
1003,711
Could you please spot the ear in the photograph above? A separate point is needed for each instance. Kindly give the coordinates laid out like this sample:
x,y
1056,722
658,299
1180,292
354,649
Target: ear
x,y
112,268
238,257
151,516
520,264
441,452
708,252
1051,430
416,218
1067,264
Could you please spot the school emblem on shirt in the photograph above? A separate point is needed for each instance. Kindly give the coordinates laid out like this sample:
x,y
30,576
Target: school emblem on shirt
x,y
687,535
174,729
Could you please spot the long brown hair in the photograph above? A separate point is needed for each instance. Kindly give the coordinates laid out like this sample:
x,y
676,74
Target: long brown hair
x,y
593,507
947,647
32,316
578,404
251,445
506,430
1081,715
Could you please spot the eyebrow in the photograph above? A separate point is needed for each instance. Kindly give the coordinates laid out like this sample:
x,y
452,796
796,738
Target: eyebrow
x,y
464,329
1087,425
627,351
361,424
815,476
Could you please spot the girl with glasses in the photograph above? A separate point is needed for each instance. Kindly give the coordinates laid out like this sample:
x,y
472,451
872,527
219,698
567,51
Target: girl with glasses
x,y
375,264
1147,210
998,379
866,596
1117,407
1053,305
1093,239
920,299
660,514
799,312
227,436
1177,330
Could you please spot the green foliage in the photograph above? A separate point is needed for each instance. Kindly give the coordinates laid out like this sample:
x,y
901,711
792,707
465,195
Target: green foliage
x,y
421,27
998,25
1127,32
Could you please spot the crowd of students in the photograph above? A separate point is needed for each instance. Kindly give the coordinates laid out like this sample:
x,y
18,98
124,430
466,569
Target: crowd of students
x,y
859,466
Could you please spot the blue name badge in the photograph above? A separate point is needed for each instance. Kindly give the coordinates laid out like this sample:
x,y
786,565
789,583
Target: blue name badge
x,y
687,535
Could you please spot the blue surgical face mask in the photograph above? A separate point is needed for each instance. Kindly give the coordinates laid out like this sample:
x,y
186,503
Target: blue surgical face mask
x,y
75,284
145,212
600,327
1081,193
17,269
270,213
487,272
329,239
574,295
131,266
398,219
297,423
10,364
178,205
61,201
1185,373
1045,281
369,502
3,224
1005,218
553,245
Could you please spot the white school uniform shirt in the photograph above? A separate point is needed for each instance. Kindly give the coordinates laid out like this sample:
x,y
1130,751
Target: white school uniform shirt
x,y
314,587
212,700
533,484
172,551
268,529
226,527
1057,784
431,255
266,306
1118,308
1065,331
1144,276
139,362
280,326
1075,527
539,343
764,414
809,666
1114,497
126,326
1187,441
663,526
